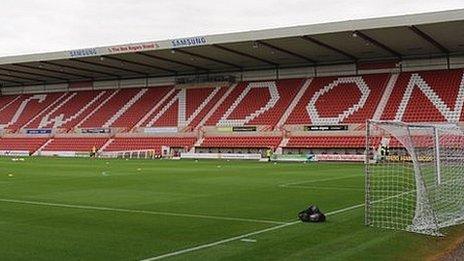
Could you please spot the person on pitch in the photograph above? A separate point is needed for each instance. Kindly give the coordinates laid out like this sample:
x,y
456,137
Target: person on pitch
x,y
93,152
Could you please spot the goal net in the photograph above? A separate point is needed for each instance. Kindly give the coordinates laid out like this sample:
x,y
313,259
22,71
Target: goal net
x,y
414,176
130,154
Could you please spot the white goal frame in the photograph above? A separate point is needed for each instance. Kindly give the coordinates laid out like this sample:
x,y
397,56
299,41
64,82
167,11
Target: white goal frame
x,y
129,154
417,182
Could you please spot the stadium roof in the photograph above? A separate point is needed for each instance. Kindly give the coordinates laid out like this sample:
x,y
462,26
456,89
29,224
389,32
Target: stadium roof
x,y
437,34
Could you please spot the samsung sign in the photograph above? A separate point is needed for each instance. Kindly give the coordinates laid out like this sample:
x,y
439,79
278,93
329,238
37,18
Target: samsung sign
x,y
83,52
185,42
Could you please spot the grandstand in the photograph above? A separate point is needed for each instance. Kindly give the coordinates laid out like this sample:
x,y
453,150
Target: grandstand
x,y
258,90
300,93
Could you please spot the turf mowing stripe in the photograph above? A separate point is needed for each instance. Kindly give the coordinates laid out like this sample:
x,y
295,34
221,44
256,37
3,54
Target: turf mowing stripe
x,y
318,187
48,204
317,180
227,240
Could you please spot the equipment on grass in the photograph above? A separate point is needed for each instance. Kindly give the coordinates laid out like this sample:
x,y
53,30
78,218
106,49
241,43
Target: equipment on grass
x,y
418,185
311,214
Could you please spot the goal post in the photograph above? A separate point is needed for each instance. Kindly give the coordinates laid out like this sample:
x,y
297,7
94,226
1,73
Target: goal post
x,y
414,176
130,154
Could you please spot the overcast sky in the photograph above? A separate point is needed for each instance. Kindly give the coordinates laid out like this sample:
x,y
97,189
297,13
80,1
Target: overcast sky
x,y
31,26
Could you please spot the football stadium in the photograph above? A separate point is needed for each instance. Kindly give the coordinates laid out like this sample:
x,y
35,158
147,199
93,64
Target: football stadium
x,y
331,141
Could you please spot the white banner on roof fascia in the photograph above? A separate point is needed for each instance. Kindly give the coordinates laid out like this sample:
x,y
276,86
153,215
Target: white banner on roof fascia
x,y
132,48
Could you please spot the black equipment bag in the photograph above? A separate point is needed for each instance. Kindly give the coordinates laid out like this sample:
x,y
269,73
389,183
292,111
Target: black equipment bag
x,y
311,214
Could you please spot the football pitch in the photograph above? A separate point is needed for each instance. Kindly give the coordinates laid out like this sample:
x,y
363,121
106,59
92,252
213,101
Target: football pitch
x,y
84,209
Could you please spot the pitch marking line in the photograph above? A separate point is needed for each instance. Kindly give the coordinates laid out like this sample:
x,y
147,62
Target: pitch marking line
x,y
248,240
227,240
48,204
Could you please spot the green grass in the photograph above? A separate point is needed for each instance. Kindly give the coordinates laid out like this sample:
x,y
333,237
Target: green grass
x,y
246,190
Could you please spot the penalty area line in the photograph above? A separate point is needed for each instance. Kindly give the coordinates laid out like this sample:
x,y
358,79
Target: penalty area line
x,y
148,212
227,240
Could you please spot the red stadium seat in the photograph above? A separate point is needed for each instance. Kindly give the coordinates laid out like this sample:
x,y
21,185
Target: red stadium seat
x,y
429,96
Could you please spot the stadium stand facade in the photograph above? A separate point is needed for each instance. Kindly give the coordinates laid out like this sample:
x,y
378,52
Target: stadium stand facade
x,y
291,90
205,117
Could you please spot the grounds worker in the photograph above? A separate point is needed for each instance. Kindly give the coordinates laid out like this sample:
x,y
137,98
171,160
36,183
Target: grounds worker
x,y
93,152
268,154
384,152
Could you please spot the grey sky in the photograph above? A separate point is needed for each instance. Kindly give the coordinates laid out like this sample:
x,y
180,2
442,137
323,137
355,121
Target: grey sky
x,y
30,26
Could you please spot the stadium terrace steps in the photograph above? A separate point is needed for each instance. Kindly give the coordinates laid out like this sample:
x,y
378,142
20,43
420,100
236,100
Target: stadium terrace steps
x,y
167,114
75,144
104,146
436,96
97,108
155,108
70,110
190,110
125,107
203,121
282,145
241,142
182,108
24,109
322,103
111,108
149,143
255,103
142,107
326,142
294,102
54,102
43,146
195,120
46,119
22,144
199,142
386,96
431,96
6,101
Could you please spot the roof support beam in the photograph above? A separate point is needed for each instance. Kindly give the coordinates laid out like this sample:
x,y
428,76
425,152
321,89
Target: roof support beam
x,y
16,82
35,74
245,55
377,43
280,49
110,67
51,70
209,58
152,56
429,39
80,69
19,77
317,42
140,64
